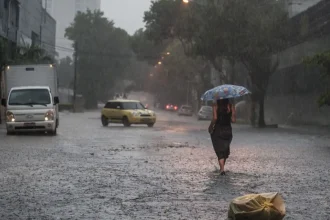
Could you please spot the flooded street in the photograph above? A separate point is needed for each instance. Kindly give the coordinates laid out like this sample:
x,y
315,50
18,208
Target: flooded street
x,y
166,172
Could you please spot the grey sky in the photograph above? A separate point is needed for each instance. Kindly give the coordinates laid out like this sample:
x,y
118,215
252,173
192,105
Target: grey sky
x,y
127,14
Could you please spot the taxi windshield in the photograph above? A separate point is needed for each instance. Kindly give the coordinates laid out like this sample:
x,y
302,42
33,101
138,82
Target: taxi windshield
x,y
132,105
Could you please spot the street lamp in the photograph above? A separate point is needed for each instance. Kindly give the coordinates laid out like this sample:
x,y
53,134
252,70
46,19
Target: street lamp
x,y
159,63
197,2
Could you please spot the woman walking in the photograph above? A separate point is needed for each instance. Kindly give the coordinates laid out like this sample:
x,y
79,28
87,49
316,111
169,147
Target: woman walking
x,y
221,131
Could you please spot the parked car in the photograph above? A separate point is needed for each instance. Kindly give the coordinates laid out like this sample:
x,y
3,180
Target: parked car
x,y
205,113
127,112
171,107
185,110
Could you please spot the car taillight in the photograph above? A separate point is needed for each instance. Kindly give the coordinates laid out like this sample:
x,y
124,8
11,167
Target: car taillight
x,y
167,106
175,107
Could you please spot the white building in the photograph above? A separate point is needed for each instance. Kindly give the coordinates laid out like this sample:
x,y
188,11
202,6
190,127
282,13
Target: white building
x,y
64,12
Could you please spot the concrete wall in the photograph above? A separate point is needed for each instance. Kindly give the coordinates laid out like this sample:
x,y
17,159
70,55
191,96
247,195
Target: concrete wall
x,y
294,55
294,89
296,109
9,21
295,7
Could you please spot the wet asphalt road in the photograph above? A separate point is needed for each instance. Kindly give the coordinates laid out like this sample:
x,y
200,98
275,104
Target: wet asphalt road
x,y
166,172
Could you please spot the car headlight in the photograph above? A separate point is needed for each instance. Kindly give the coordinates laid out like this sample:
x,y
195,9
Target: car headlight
x,y
10,117
49,116
135,114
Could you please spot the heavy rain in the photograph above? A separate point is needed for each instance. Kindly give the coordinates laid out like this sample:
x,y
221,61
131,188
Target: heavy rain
x,y
165,109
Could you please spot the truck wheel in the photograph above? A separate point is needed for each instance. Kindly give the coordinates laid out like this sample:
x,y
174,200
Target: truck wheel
x,y
105,121
126,122
150,125
57,122
9,133
54,133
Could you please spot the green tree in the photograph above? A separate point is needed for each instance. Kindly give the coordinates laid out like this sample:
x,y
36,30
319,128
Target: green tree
x,y
322,60
65,71
23,54
147,50
179,75
31,54
103,52
240,31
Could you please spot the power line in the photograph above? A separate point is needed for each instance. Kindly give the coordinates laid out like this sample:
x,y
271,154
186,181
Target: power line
x,y
97,53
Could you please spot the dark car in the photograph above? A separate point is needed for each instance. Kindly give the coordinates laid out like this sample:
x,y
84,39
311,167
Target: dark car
x,y
185,110
171,107
205,113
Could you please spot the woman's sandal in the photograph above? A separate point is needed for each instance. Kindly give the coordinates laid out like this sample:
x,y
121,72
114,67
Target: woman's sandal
x,y
223,173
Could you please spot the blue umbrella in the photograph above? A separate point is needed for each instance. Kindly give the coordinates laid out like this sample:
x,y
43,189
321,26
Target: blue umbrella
x,y
225,92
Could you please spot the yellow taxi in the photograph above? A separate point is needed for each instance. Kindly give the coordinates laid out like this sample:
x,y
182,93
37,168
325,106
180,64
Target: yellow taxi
x,y
127,112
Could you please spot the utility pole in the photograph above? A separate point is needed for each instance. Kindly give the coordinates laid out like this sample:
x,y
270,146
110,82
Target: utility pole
x,y
188,82
75,76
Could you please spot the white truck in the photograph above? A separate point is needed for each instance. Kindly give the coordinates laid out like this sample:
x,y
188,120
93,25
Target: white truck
x,y
31,98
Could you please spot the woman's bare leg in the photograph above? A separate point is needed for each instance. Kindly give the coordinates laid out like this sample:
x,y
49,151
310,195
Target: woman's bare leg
x,y
222,165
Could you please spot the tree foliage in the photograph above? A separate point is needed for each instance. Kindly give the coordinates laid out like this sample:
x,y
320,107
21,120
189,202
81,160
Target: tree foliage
x,y
248,31
31,54
179,75
23,54
65,71
147,50
322,60
103,52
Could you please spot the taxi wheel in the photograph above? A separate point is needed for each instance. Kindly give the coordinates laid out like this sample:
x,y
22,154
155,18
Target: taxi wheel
x,y
105,121
150,125
126,122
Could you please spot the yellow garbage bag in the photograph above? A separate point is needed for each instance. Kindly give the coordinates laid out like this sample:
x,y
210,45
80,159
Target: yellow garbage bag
x,y
265,206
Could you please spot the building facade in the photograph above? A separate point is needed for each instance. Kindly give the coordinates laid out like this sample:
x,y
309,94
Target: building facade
x,y
9,23
27,23
36,26
64,12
